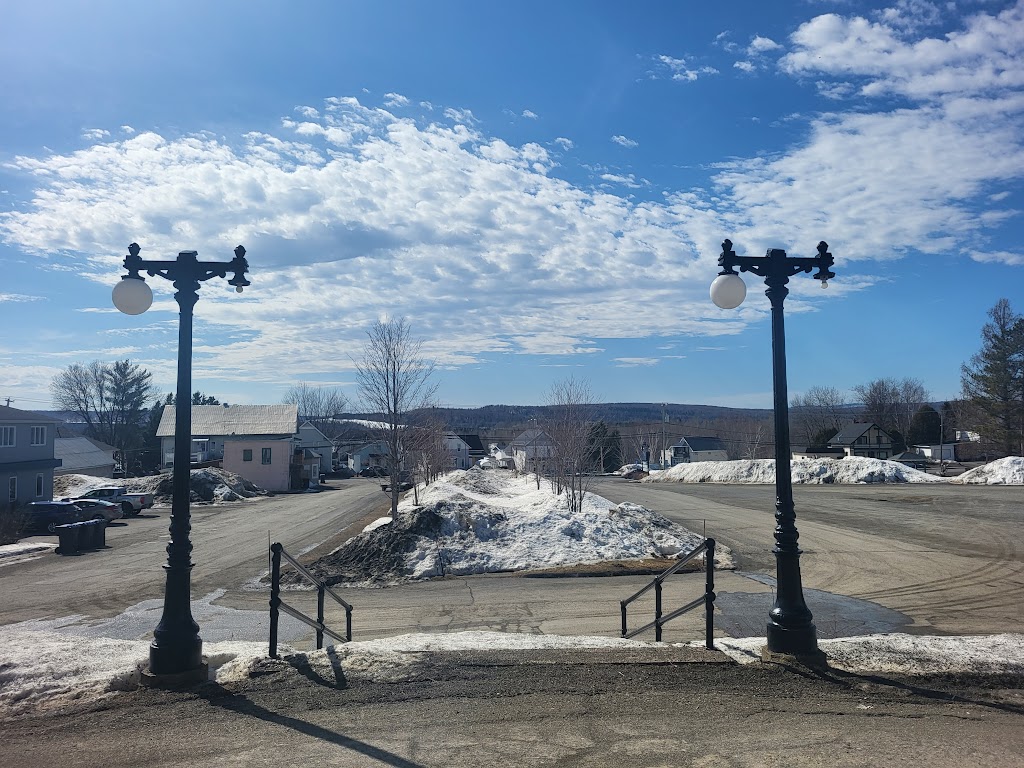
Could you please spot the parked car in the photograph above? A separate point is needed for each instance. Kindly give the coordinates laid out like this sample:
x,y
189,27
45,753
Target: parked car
x,y
344,473
373,472
45,516
97,509
130,503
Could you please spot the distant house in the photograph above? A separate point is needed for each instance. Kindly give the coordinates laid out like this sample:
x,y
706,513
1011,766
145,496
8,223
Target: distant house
x,y
690,449
312,439
212,425
501,458
532,451
84,456
458,452
943,452
27,460
368,455
912,459
863,438
476,448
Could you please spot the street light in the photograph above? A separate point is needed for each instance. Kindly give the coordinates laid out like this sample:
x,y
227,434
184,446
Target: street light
x,y
176,653
790,629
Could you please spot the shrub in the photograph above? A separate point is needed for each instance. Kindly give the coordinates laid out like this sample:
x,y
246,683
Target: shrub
x,y
12,521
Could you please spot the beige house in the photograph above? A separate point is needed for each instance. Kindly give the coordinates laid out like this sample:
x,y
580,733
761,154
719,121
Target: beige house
x,y
267,462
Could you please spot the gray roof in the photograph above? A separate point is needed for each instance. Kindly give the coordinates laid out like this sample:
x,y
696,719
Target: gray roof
x,y
848,435
82,453
703,443
9,414
533,437
210,420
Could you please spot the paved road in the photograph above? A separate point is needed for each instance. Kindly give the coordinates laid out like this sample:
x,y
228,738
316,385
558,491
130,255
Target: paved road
x,y
230,549
948,557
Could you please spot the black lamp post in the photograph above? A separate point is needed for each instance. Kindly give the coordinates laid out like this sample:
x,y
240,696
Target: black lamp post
x,y
790,629
176,653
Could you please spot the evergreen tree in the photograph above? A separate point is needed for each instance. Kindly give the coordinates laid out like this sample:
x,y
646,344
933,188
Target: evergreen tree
x,y
993,382
925,427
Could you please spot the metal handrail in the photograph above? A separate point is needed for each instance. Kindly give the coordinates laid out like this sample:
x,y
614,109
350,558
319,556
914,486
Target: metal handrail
x,y
277,605
707,599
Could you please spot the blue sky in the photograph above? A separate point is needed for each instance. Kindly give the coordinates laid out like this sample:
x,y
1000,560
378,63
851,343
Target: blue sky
x,y
541,188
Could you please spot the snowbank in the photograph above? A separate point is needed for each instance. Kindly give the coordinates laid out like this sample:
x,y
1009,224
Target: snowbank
x,y
850,470
1008,471
207,484
476,521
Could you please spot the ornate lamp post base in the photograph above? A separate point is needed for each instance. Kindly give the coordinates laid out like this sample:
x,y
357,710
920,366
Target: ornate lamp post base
x,y
186,679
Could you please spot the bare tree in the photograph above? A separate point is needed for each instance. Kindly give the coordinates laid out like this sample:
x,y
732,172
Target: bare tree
x,y
569,428
818,412
892,403
394,380
318,405
110,397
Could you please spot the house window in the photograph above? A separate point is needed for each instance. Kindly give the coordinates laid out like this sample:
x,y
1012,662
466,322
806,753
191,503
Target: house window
x,y
6,437
39,485
247,454
12,490
37,436
266,455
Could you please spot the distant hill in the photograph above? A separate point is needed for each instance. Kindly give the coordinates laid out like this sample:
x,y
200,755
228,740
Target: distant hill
x,y
504,421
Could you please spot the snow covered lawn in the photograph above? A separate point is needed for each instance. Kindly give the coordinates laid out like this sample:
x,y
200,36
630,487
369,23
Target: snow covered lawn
x,y
852,469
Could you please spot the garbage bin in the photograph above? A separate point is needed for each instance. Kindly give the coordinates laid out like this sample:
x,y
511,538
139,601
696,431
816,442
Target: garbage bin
x,y
89,535
67,539
101,533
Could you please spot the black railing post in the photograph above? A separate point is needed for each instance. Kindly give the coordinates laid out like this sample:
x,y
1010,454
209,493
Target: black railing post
x,y
657,611
709,596
348,625
320,617
275,596
622,610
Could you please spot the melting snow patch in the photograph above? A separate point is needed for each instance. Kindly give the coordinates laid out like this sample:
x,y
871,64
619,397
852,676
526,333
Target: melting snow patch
x,y
1008,471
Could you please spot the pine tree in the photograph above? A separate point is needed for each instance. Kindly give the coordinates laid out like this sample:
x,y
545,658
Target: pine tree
x,y
994,380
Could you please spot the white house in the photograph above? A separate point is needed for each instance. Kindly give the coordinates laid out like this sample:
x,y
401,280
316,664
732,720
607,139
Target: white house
x,y
944,452
690,449
458,452
532,451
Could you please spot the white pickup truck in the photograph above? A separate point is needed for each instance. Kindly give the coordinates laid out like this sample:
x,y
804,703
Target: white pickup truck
x,y
131,503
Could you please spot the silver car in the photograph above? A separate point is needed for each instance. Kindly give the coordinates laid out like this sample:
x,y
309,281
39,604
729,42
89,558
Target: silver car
x,y
96,509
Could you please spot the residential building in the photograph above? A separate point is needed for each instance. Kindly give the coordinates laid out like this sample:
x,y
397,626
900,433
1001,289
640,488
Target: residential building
x,y
212,425
501,456
266,461
312,439
458,452
533,451
84,456
27,460
476,448
863,438
690,449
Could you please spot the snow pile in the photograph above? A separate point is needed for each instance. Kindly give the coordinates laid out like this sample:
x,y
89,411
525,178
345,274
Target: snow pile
x,y
1008,471
480,522
206,484
625,469
849,470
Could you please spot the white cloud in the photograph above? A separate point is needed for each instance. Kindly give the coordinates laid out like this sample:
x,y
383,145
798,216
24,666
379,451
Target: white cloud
x,y
998,257
95,134
564,143
635,362
460,115
761,45
744,66
681,71
395,100
628,180
127,130
530,114
623,141
18,298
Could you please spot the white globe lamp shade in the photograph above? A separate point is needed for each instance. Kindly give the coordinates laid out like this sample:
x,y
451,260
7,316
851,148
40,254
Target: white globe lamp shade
x,y
132,295
728,291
